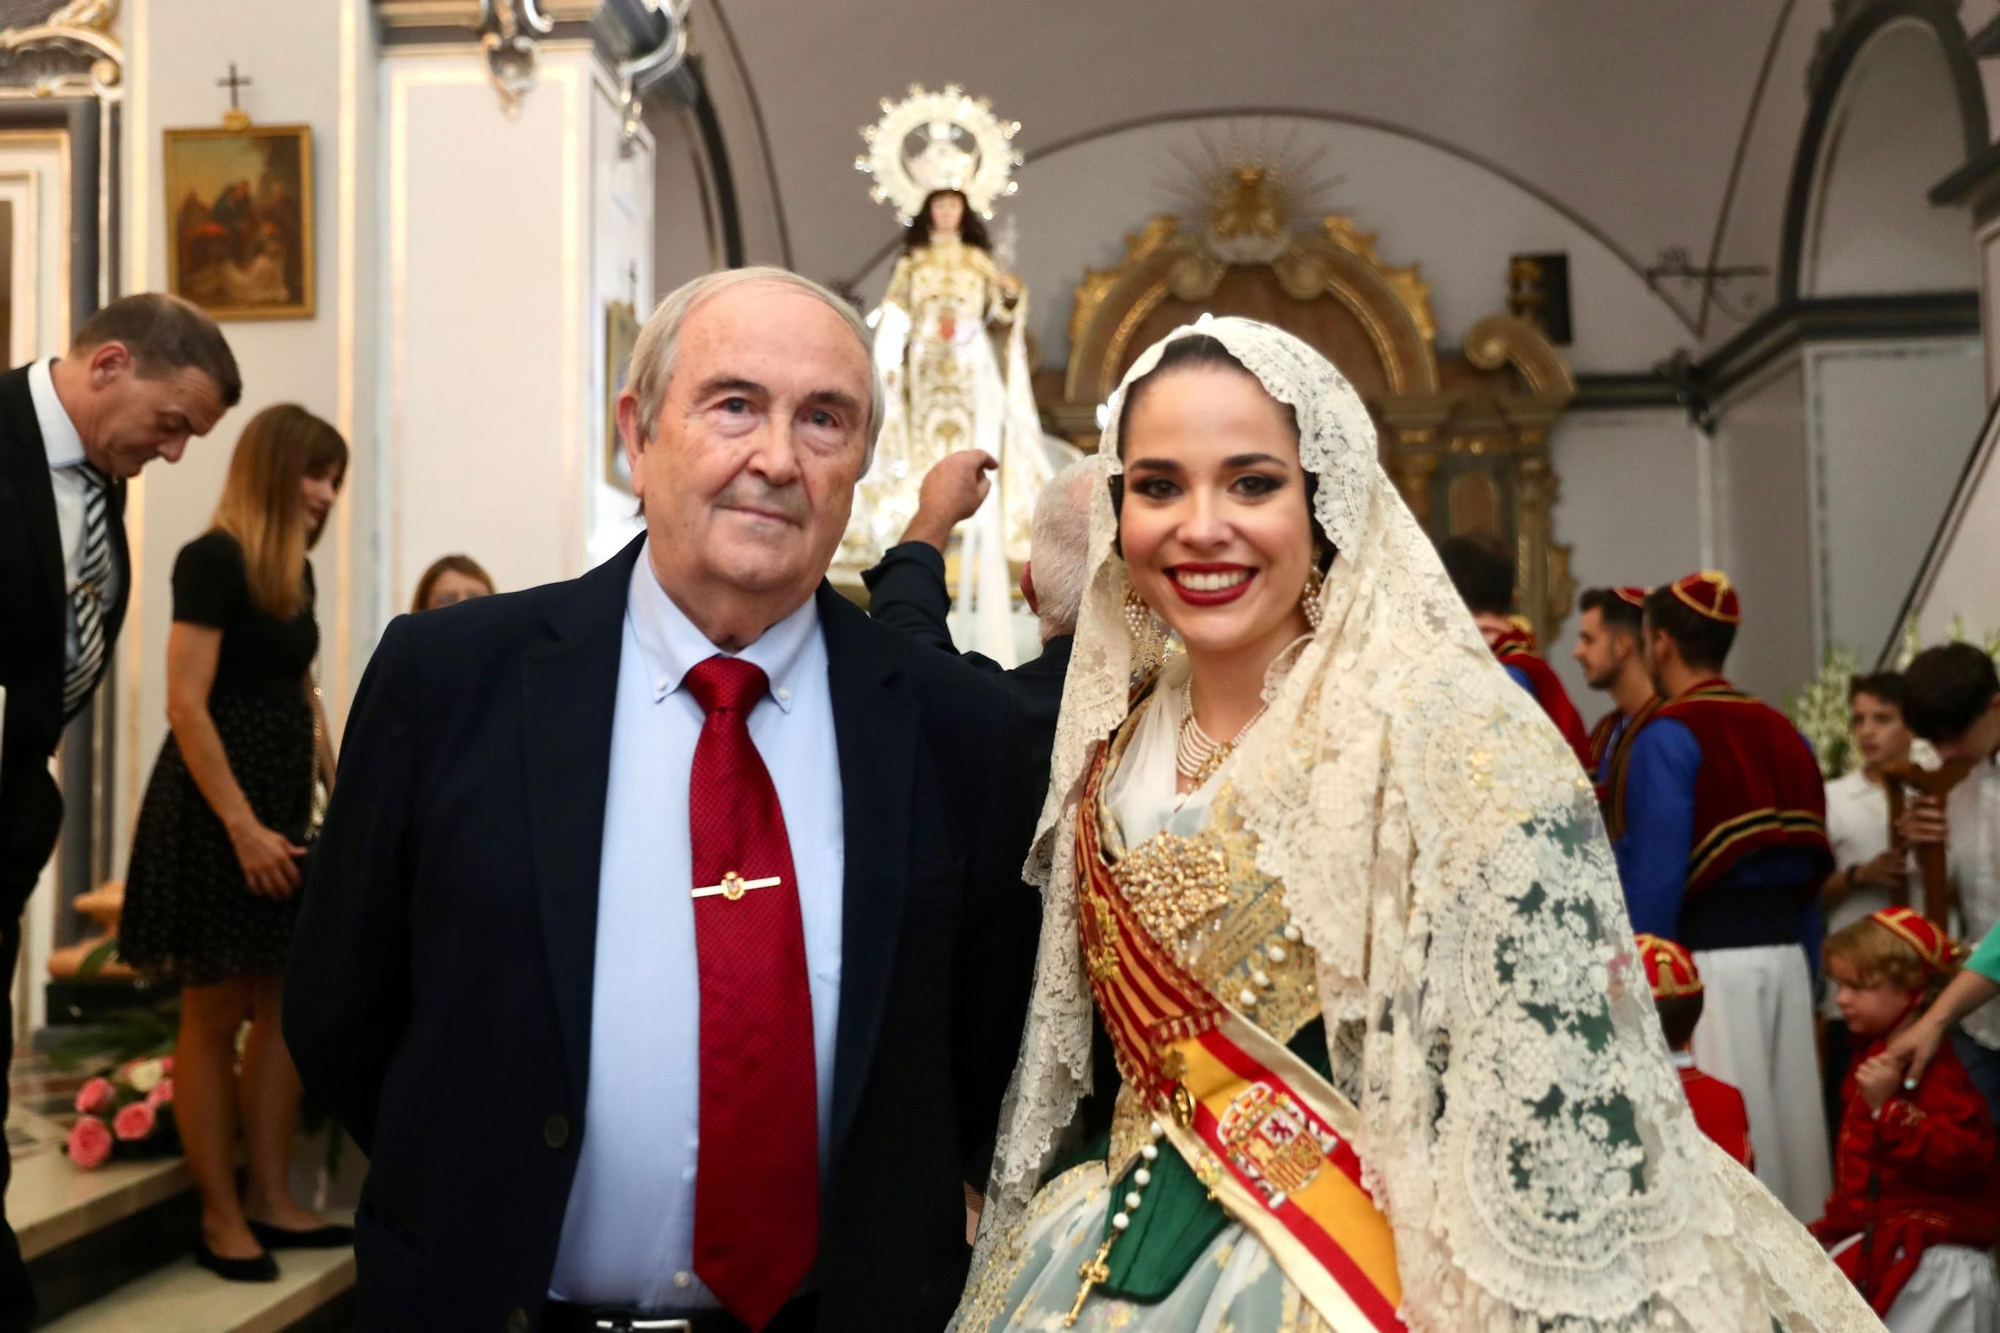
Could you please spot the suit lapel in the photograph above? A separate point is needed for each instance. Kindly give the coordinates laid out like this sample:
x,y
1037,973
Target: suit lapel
x,y
875,727
570,690
27,460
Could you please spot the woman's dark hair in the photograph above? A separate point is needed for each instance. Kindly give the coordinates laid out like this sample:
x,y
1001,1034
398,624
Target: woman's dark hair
x,y
971,230
1201,351
443,565
1481,567
1884,685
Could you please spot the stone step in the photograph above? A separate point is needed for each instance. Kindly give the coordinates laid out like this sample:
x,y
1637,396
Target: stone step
x,y
84,1232
313,1294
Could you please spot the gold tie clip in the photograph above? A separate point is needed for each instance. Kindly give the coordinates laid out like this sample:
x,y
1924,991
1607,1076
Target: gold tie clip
x,y
734,886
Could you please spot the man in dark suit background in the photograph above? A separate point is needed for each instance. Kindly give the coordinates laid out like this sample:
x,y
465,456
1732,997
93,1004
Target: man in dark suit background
x,y
665,946
142,376
907,589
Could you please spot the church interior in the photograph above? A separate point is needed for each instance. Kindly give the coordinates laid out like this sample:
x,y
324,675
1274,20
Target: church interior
x,y
1633,290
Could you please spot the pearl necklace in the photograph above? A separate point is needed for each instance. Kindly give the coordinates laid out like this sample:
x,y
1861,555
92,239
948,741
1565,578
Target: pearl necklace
x,y
1196,753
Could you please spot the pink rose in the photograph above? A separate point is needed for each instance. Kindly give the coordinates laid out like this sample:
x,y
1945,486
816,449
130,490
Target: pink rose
x,y
133,1121
166,1064
89,1143
162,1094
94,1096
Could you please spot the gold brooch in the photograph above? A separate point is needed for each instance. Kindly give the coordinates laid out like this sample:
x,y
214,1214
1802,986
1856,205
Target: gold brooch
x,y
1174,884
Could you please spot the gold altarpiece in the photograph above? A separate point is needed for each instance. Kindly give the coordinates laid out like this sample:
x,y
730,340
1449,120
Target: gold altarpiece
x,y
1465,435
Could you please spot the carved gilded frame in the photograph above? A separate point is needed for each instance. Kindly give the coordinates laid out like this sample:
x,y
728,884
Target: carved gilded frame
x,y
1494,435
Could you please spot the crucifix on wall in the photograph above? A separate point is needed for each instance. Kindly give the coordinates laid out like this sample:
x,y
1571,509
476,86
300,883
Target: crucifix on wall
x,y
236,118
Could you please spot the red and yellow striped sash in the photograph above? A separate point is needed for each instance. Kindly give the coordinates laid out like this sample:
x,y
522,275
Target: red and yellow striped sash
x,y
1271,1139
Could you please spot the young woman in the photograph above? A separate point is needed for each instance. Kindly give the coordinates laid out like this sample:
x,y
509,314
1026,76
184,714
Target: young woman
x,y
1379,1052
451,579
212,891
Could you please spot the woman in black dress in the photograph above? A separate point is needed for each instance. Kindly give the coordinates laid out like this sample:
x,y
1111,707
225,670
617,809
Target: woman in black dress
x,y
212,890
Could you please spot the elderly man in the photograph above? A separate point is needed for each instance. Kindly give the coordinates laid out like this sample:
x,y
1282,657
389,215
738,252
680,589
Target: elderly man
x,y
665,948
141,377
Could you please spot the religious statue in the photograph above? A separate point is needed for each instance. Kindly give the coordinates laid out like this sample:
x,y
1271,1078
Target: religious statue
x,y
951,340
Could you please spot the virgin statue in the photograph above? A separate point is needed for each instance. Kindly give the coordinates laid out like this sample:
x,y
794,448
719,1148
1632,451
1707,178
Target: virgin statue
x,y
1338,1020
951,343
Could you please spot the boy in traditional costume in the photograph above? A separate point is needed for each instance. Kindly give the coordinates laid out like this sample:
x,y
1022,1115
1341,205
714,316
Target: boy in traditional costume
x,y
1677,995
1915,1208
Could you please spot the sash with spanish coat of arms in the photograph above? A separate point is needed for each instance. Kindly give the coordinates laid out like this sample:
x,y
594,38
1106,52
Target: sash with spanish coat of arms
x,y
1270,1137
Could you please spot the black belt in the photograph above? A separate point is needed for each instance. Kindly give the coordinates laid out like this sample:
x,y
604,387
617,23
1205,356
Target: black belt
x,y
1756,917
798,1316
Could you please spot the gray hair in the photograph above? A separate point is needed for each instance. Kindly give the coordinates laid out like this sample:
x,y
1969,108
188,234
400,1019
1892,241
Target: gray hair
x,y
653,354
1059,544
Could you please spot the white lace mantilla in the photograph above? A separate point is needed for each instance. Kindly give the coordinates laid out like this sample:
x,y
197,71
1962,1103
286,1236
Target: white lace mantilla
x,y
1524,1130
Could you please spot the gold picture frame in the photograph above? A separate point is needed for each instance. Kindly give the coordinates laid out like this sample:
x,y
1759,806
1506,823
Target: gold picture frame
x,y
240,220
621,335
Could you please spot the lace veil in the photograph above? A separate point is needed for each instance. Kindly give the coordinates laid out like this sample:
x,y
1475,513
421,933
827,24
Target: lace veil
x,y
1524,1130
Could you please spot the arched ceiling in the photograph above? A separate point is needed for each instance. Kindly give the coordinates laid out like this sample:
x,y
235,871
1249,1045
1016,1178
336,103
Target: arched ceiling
x,y
1628,116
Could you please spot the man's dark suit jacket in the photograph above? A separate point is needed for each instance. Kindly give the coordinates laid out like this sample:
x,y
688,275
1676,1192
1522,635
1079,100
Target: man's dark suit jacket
x,y
33,623
907,591
439,993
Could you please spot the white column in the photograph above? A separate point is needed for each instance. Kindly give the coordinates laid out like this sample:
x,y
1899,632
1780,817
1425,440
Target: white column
x,y
504,238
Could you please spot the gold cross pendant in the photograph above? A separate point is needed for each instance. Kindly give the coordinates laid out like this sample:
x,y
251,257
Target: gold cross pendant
x,y
1092,1273
734,886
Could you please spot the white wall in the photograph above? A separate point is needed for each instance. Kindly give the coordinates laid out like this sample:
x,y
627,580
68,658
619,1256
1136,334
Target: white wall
x,y
687,231
312,64
1889,426
1428,207
1894,133
505,236
1631,495
1763,514
740,116
1964,580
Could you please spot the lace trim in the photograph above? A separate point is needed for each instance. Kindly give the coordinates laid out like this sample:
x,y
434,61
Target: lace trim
x,y
1442,852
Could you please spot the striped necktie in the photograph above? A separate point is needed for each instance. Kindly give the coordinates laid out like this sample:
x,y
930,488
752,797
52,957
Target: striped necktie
x,y
93,568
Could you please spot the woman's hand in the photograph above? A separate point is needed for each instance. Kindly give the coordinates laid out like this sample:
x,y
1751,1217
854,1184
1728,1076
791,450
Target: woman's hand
x,y
269,859
1911,1051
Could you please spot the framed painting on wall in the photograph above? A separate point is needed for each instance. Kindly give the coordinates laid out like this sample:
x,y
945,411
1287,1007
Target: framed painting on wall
x,y
240,220
621,335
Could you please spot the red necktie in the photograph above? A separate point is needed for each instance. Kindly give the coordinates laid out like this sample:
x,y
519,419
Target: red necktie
x,y
756,1202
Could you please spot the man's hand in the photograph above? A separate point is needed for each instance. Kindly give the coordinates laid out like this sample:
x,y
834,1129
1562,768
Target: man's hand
x,y
952,492
1923,822
1877,1079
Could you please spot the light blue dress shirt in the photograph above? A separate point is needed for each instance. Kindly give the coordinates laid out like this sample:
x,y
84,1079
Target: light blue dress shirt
x,y
72,491
628,1233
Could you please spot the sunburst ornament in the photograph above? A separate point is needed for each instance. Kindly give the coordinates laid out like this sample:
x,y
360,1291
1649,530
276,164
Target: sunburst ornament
x,y
940,141
1245,196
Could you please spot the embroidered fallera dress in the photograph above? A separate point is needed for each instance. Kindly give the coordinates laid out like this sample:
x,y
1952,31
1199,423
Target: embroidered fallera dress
x,y
1372,988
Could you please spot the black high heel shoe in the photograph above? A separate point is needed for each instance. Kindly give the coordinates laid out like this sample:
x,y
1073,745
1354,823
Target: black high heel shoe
x,y
332,1236
263,1268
